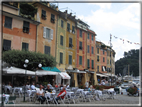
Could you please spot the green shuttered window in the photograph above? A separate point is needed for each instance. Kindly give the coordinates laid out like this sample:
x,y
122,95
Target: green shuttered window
x,y
61,57
25,46
61,40
46,49
70,59
8,22
80,60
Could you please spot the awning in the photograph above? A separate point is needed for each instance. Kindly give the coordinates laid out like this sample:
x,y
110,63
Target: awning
x,y
53,69
101,75
109,74
81,71
14,70
43,72
64,75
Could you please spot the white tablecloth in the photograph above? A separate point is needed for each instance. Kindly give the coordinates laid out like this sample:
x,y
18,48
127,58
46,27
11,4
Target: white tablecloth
x,y
85,92
69,93
19,88
29,92
6,97
80,90
48,95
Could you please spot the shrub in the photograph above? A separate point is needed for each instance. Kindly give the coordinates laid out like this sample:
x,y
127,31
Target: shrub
x,y
132,90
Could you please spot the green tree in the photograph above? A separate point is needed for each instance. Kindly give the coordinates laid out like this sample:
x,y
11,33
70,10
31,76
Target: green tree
x,y
17,58
132,58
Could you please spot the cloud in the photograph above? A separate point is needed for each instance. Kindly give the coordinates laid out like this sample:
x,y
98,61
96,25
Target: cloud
x,y
128,17
102,5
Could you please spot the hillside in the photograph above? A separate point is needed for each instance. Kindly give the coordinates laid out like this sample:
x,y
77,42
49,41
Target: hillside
x,y
132,58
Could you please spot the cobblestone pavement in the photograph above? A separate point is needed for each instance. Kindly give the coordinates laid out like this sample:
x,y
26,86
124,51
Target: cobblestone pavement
x,y
119,99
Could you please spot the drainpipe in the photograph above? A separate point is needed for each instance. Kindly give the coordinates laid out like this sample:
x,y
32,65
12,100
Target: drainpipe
x,y
36,40
56,38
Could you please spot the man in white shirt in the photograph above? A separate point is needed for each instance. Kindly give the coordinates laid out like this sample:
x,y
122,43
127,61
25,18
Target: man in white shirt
x,y
33,86
40,94
86,84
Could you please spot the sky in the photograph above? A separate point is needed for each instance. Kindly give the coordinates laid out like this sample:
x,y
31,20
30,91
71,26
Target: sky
x,y
121,20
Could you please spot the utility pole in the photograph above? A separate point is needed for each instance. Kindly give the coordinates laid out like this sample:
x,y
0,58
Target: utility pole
x,y
128,69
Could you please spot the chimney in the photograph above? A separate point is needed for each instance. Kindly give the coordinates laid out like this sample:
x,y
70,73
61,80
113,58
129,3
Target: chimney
x,y
74,16
70,14
66,11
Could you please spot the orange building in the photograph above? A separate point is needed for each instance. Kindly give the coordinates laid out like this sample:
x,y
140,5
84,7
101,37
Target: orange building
x,y
46,31
18,32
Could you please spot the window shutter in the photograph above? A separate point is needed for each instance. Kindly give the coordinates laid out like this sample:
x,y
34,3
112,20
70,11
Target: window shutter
x,y
44,32
51,35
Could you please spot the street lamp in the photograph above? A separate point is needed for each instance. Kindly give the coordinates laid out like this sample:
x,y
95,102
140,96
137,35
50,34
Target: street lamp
x,y
26,65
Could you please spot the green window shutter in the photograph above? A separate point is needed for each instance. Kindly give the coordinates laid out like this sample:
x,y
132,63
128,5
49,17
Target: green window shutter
x,y
6,45
61,40
88,64
80,33
88,48
25,46
88,36
8,22
46,49
62,23
61,57
80,60
92,50
92,63
98,58
92,37
70,59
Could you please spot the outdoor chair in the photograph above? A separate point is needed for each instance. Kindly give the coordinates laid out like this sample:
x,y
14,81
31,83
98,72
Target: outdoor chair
x,y
12,100
88,97
33,96
74,97
24,90
17,92
79,95
52,99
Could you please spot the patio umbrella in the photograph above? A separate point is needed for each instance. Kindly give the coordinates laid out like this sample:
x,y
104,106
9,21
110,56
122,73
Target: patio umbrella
x,y
15,70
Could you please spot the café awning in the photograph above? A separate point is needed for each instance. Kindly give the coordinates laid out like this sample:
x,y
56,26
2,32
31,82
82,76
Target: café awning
x,y
64,75
15,70
53,69
43,72
101,75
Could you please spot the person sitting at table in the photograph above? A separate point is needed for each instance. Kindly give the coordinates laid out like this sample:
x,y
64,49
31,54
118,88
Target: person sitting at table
x,y
48,89
33,86
28,86
56,86
90,89
61,94
59,85
37,85
40,94
68,86
49,84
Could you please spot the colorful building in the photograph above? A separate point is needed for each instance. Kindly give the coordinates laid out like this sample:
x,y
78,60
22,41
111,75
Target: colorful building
x,y
81,40
91,57
71,48
47,14
18,32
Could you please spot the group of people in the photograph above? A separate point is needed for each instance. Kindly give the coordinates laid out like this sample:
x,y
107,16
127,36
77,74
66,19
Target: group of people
x,y
41,96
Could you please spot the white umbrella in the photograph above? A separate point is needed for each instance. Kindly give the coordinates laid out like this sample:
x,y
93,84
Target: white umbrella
x,y
14,70
43,72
